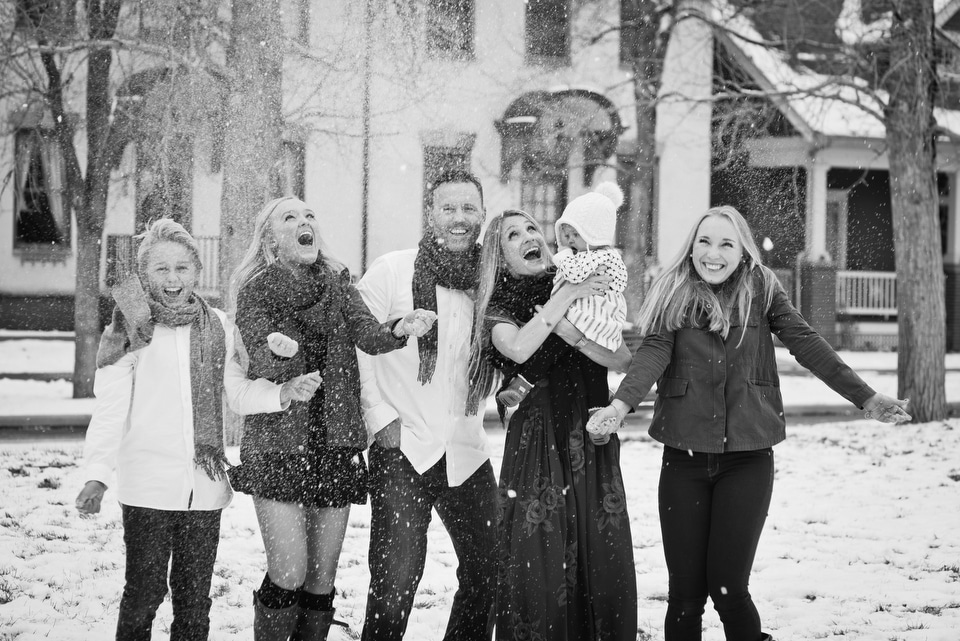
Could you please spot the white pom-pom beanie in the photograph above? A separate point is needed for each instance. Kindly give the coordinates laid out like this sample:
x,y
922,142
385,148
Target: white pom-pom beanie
x,y
594,214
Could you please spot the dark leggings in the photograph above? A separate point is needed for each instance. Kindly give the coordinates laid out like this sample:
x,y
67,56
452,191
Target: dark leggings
x,y
712,510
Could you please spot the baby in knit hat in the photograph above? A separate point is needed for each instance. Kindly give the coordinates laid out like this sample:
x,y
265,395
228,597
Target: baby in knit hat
x,y
585,238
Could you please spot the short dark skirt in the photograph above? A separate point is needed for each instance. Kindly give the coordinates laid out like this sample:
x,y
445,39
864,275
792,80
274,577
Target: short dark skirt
x,y
329,477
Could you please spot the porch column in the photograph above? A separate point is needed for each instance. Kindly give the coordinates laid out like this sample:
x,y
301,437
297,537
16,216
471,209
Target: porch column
x,y
818,274
951,266
683,130
816,229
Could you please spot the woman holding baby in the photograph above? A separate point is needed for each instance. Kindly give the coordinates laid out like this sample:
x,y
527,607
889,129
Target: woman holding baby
x,y
565,546
298,313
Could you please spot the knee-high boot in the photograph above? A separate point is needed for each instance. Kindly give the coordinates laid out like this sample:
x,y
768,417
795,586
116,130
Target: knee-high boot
x,y
273,625
316,619
313,625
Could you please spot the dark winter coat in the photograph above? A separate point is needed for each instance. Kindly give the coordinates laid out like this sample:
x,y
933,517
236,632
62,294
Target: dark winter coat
x,y
714,395
329,320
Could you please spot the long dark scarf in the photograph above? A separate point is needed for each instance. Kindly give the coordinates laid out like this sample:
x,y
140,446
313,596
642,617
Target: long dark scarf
x,y
513,300
436,265
516,298
134,318
300,290
317,299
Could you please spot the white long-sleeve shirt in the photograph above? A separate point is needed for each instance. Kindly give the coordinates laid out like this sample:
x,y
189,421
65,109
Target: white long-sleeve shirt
x,y
142,422
432,417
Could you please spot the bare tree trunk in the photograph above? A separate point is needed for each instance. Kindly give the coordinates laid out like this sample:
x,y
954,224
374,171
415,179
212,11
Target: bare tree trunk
x,y
252,127
86,310
646,47
252,132
913,193
637,220
88,195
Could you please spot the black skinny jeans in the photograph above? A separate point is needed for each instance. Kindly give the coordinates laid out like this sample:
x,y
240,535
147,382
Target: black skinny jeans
x,y
186,541
712,510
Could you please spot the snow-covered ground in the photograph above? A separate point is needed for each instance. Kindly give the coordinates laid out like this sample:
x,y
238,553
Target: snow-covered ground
x,y
861,542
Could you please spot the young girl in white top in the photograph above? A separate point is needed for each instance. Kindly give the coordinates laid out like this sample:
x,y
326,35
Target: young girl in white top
x,y
165,363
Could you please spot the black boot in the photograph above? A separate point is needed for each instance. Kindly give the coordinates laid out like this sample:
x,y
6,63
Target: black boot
x,y
313,625
766,637
316,618
273,625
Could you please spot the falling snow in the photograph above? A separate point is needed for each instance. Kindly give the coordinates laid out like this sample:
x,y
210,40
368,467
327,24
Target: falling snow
x,y
860,541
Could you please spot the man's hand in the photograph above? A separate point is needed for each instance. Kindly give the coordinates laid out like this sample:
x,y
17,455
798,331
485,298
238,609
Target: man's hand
x,y
300,388
389,437
88,501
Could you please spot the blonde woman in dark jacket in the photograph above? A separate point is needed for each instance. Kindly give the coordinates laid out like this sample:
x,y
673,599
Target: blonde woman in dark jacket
x,y
298,311
708,325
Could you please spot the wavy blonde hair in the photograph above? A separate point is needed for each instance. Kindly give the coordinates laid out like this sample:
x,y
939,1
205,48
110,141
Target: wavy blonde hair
x,y
262,251
483,376
679,294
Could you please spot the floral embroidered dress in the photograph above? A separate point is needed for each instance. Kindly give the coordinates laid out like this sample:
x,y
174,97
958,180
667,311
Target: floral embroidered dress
x,y
566,555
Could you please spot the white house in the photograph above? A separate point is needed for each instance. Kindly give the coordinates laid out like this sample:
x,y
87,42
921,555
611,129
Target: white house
x,y
533,98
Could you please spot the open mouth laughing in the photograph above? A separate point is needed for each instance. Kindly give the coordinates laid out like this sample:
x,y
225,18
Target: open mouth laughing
x,y
532,253
305,238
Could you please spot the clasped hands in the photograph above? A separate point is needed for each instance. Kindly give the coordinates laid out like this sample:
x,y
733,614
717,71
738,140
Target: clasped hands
x,y
605,421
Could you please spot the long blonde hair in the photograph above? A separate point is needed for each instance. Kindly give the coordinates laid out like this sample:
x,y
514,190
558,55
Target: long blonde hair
x,y
262,251
679,294
483,377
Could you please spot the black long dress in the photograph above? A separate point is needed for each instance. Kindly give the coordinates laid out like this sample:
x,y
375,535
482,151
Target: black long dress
x,y
566,555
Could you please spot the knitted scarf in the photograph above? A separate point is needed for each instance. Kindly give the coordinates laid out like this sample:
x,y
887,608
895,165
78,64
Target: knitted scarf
x,y
131,328
516,298
436,265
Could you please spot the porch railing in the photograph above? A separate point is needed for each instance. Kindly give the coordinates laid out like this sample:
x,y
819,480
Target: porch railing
x,y
867,293
122,254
